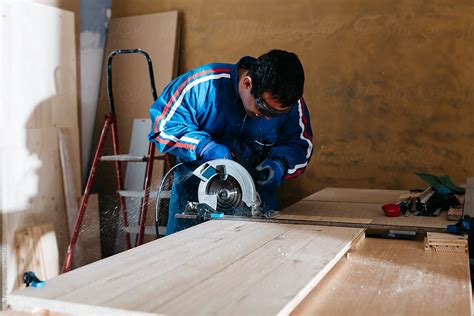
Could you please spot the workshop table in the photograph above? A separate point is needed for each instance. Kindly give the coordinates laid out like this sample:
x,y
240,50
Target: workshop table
x,y
384,276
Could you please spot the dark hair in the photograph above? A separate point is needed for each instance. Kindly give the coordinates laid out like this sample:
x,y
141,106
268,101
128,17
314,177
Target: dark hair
x,y
279,73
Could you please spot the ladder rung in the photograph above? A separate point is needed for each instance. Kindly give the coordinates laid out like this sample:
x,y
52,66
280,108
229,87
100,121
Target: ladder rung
x,y
149,230
129,158
140,194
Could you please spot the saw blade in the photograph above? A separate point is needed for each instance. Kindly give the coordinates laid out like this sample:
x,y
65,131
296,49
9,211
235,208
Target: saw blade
x,y
228,192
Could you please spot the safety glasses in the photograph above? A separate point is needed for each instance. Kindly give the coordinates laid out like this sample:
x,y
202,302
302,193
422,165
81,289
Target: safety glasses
x,y
267,110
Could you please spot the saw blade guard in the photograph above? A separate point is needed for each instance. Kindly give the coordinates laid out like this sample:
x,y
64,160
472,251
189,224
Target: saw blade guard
x,y
225,185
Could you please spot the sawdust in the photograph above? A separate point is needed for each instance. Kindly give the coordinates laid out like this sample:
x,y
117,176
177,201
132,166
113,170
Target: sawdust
x,y
391,279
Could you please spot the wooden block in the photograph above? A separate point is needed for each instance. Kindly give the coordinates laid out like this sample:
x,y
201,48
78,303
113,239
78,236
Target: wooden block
x,y
445,242
263,268
37,251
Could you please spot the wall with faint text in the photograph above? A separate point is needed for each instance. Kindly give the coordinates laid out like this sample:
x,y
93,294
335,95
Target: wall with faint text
x,y
390,84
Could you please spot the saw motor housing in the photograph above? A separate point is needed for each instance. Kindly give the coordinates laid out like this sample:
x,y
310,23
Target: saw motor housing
x,y
225,187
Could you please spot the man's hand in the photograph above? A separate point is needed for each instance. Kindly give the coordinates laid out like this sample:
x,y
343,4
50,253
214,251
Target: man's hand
x,y
270,173
213,150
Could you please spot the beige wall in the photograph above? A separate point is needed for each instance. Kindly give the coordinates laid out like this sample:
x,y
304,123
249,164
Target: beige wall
x,y
389,83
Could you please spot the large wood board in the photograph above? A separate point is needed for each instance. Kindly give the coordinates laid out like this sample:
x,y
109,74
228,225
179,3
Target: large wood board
x,y
354,208
158,35
221,267
374,196
393,277
39,95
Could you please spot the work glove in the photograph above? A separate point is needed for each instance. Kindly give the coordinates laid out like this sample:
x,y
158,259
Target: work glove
x,y
270,173
213,150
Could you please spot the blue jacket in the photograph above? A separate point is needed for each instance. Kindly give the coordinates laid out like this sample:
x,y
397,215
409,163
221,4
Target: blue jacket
x,y
203,105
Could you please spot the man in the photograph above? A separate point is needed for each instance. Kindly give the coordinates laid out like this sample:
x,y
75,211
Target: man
x,y
252,112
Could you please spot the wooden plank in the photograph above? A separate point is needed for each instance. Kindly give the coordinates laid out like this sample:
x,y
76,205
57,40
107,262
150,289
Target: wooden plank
x,y
261,268
33,191
39,85
158,35
37,251
323,218
468,208
359,211
393,277
43,64
69,154
374,196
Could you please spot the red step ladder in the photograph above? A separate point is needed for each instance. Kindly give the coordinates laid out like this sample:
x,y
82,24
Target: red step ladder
x,y
111,123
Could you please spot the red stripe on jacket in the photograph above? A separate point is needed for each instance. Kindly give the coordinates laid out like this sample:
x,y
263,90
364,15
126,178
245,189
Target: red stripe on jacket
x,y
181,87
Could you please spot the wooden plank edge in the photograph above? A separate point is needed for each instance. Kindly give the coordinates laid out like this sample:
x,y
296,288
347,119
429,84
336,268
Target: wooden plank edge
x,y
32,304
383,227
358,241
291,305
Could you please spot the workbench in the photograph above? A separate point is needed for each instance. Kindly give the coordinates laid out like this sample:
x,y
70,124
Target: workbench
x,y
384,276
224,267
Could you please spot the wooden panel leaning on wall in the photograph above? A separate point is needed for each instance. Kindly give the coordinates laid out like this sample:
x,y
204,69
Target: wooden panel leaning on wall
x,y
157,34
39,89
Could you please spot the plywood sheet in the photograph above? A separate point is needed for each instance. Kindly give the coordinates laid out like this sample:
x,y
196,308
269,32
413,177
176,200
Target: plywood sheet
x,y
158,35
33,191
39,78
393,277
363,211
356,195
222,267
323,218
39,95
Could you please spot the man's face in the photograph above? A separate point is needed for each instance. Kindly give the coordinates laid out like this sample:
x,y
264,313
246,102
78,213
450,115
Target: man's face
x,y
266,106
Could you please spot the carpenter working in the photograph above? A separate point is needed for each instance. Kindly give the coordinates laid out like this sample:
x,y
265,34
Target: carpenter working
x,y
252,112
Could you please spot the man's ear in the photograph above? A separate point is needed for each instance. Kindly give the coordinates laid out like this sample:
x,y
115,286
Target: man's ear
x,y
247,82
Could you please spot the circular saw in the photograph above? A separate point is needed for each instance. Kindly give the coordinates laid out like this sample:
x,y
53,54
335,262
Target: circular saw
x,y
227,187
